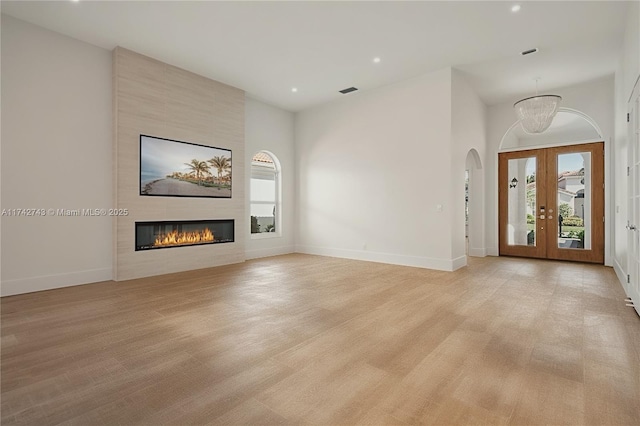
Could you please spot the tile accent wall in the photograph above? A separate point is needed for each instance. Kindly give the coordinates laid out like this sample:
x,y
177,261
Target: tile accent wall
x,y
157,99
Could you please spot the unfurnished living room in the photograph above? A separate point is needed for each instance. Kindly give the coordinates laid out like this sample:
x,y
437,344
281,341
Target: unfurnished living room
x,y
331,213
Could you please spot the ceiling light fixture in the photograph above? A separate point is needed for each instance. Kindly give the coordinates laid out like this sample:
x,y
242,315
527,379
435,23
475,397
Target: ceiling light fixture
x,y
294,89
536,112
376,60
515,8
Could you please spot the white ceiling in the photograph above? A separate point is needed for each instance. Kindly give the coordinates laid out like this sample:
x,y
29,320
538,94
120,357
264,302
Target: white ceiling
x,y
266,48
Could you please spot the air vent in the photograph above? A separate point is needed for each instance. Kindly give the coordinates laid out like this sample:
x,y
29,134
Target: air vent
x,y
528,52
348,90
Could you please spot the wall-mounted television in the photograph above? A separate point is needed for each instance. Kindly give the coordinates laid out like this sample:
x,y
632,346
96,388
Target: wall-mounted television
x,y
170,168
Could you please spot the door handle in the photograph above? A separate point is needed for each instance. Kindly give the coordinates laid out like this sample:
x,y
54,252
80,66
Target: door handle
x,y
549,217
542,216
631,227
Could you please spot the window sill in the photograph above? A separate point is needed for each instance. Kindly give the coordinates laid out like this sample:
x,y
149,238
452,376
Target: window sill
x,y
265,235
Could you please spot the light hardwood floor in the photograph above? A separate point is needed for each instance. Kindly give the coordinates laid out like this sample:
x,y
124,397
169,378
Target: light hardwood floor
x,y
301,339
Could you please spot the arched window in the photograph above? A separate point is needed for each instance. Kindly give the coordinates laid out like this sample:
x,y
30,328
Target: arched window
x,y
265,195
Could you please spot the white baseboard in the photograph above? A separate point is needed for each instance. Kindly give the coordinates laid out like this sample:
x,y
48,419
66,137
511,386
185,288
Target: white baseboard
x,y
267,252
49,282
477,252
621,274
394,259
458,262
628,290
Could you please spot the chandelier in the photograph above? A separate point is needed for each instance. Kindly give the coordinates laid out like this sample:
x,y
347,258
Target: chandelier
x,y
536,113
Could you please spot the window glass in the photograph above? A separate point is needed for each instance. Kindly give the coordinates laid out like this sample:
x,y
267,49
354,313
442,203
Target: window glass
x,y
264,194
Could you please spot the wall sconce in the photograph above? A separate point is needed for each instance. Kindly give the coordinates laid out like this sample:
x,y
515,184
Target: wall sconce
x,y
514,183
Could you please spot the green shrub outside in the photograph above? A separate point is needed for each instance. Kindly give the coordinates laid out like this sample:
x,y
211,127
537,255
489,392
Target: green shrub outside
x,y
572,221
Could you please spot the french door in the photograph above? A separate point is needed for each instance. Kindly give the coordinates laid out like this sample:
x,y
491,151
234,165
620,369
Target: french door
x,y
551,203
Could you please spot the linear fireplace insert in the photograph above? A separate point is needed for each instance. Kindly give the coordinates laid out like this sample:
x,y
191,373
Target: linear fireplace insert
x,y
181,233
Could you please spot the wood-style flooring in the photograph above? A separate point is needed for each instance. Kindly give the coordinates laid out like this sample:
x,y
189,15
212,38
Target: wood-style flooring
x,y
301,339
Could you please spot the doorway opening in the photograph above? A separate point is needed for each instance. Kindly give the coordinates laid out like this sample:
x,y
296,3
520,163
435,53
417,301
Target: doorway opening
x,y
466,212
474,207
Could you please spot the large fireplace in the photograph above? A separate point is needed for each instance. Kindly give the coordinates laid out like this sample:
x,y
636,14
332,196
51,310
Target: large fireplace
x,y
180,233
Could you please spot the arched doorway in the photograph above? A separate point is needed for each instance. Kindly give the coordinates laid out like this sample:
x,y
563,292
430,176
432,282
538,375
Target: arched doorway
x,y
569,127
474,207
550,186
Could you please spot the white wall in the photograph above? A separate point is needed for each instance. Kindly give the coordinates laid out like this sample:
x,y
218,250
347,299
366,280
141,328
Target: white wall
x,y
56,153
596,99
57,123
372,169
627,74
469,132
268,128
631,48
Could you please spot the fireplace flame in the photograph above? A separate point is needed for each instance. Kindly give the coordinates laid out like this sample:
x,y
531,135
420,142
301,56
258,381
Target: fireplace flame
x,y
175,238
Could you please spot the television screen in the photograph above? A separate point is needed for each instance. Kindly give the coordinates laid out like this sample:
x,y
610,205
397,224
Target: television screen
x,y
171,168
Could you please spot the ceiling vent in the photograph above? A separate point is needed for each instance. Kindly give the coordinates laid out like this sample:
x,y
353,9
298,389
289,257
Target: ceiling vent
x,y
529,52
348,90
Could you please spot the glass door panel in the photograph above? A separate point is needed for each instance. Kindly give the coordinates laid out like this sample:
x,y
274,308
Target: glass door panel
x,y
521,227
574,200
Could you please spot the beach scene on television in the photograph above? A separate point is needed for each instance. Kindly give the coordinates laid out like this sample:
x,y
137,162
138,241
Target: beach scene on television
x,y
180,169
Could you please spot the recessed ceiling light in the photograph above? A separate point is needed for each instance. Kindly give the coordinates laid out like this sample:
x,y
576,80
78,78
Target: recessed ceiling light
x,y
376,60
294,89
515,8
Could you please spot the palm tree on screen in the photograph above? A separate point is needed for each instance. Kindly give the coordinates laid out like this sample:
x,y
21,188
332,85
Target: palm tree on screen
x,y
199,168
222,164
